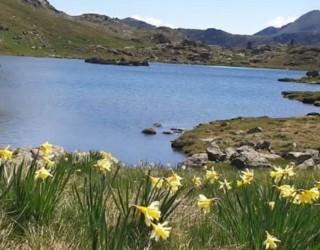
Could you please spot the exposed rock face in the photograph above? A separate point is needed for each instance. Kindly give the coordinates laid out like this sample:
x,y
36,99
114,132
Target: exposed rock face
x,y
248,157
313,73
241,157
41,4
215,154
196,161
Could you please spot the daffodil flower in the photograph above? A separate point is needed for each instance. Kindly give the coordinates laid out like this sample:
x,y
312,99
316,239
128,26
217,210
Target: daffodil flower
x,y
204,203
308,196
270,242
280,173
160,231
173,181
151,212
196,181
156,182
5,153
46,148
225,185
43,174
109,157
212,175
46,160
104,165
271,204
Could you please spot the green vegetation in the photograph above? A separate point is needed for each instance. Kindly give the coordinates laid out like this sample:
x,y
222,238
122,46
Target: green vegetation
x,y
284,134
90,201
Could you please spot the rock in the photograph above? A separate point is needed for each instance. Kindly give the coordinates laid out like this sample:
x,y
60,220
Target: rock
x,y
4,28
230,153
247,143
149,131
248,157
157,125
263,144
308,164
214,153
196,160
160,38
286,79
238,132
254,130
312,73
178,130
167,132
299,156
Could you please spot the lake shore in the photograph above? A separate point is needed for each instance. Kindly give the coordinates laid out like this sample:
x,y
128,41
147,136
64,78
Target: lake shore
x,y
274,138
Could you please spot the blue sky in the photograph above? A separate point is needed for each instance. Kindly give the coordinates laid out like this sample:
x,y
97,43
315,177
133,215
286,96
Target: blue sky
x,y
234,16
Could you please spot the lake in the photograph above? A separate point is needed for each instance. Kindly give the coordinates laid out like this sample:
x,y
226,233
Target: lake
x,y
88,106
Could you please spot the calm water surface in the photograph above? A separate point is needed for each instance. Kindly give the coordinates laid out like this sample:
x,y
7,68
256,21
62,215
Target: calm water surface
x,y
87,106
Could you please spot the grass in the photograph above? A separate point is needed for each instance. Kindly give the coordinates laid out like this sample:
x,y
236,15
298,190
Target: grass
x,y
284,134
83,206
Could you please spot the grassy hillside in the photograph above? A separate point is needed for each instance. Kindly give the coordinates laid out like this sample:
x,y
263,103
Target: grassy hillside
x,y
27,30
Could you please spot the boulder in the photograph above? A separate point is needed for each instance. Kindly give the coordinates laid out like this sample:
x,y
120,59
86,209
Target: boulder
x,y
149,131
238,132
196,160
247,157
312,73
157,125
299,157
308,164
230,153
214,153
263,144
254,130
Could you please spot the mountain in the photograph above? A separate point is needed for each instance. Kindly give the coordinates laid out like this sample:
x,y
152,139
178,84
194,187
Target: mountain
x,y
305,30
269,31
308,23
137,23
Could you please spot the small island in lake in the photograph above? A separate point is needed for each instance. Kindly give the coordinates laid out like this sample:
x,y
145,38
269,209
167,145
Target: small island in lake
x,y
121,62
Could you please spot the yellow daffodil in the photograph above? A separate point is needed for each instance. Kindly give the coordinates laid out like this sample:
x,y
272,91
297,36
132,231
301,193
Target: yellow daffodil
x,y
225,185
46,148
173,181
308,196
280,173
104,165
271,204
290,193
270,242
46,160
109,157
212,175
246,178
156,182
151,212
160,231
43,174
5,153
196,181
204,203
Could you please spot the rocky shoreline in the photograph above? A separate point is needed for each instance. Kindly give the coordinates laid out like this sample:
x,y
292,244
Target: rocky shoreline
x,y
307,97
312,77
238,143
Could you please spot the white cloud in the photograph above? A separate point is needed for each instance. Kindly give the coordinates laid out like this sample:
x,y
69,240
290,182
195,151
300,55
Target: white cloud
x,y
152,20
279,21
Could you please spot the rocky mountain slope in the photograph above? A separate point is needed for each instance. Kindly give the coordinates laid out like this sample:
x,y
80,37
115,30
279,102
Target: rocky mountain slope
x,y
36,28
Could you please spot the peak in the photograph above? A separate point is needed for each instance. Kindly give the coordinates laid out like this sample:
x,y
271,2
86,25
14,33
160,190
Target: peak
x,y
40,4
